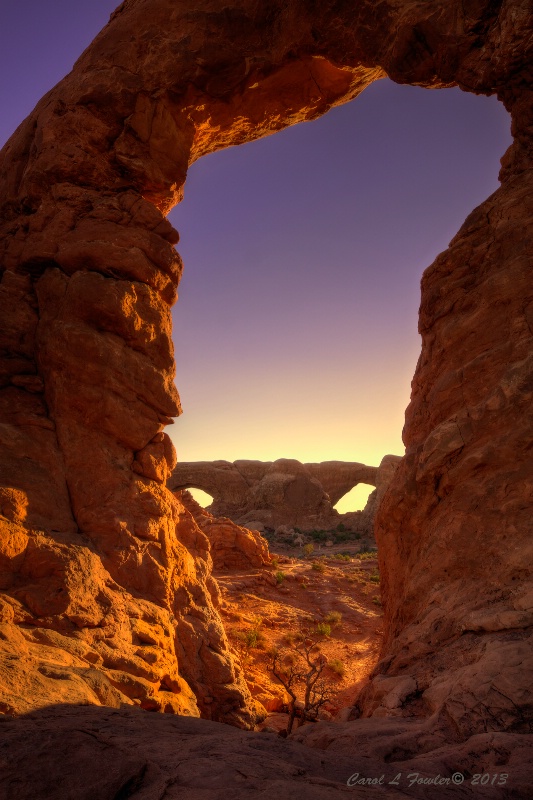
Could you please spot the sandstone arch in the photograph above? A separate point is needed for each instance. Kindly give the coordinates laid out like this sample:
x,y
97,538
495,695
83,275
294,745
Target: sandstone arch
x,y
220,479
283,492
89,272
339,477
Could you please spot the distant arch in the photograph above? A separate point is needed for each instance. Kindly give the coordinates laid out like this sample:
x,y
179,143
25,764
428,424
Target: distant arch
x,y
355,499
203,498
219,479
192,487
340,477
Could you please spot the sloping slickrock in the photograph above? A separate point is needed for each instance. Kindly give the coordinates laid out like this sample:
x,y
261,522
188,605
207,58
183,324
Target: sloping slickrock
x,y
88,753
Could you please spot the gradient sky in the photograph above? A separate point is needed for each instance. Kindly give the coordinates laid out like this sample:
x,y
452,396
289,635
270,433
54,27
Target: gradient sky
x,y
296,329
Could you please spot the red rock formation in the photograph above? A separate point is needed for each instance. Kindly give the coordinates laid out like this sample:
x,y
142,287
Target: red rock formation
x,y
283,492
230,545
91,539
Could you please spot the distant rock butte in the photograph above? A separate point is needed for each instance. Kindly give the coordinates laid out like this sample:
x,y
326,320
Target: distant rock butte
x,y
284,492
105,577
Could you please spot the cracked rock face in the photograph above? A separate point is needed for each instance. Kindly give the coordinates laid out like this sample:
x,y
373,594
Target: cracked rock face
x,y
104,575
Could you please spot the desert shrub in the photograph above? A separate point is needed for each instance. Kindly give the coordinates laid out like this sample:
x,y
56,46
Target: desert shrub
x,y
341,527
376,600
280,576
318,566
364,554
338,667
333,618
341,537
323,629
300,670
274,563
253,638
308,548
318,536
374,578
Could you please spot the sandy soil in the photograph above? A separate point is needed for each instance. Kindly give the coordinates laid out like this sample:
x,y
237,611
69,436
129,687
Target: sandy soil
x,y
297,594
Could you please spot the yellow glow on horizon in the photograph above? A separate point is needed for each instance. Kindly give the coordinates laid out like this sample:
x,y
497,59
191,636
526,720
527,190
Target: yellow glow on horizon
x,y
348,411
238,434
355,500
201,497
315,410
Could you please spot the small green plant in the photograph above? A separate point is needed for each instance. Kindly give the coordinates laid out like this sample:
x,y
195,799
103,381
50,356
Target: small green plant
x,y
323,629
308,548
304,585
364,554
376,600
374,578
318,566
252,638
280,577
274,563
341,527
338,667
333,618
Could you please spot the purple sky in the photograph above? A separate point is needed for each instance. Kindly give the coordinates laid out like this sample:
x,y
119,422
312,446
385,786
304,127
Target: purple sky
x,y
296,329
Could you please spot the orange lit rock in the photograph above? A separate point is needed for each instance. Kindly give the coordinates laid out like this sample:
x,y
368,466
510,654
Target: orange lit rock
x,y
231,546
88,274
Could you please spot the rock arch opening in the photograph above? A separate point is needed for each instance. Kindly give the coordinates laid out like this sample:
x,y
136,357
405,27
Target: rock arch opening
x,y
203,498
355,499
300,304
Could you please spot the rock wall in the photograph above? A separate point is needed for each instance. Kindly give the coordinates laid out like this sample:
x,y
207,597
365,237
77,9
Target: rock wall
x,y
283,492
89,272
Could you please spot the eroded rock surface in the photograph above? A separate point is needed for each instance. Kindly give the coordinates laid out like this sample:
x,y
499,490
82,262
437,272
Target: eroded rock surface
x,y
283,492
91,538
231,546
70,633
